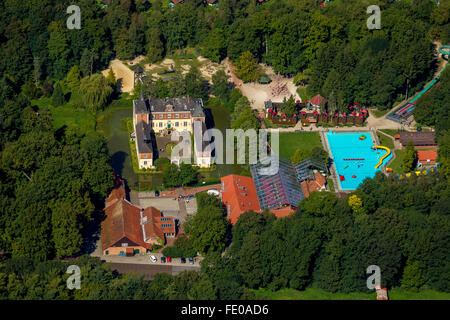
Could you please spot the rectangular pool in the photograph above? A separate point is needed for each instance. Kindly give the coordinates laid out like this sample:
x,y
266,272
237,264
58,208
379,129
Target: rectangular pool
x,y
354,159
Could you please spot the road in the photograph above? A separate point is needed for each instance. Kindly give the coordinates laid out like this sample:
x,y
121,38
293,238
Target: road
x,y
141,264
149,270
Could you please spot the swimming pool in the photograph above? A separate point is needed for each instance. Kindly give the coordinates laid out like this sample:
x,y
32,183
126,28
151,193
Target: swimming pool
x,y
354,159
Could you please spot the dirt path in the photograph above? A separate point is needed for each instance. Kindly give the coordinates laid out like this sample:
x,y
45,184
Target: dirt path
x,y
124,75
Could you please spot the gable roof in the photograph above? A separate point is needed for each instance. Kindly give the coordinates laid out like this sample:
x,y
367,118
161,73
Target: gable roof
x,y
418,138
125,220
427,155
122,220
239,195
143,137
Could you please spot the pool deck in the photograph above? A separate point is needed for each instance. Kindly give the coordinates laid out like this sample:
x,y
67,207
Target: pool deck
x,y
333,171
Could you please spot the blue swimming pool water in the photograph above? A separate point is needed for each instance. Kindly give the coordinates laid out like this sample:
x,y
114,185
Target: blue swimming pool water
x,y
349,146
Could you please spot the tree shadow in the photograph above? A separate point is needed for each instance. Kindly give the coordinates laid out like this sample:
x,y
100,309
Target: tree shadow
x,y
67,96
60,133
118,160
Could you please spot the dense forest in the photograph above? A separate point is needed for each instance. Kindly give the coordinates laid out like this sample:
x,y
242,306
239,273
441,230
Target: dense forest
x,y
53,182
330,47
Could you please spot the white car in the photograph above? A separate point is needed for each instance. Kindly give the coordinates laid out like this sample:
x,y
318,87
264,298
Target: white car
x,y
213,192
152,258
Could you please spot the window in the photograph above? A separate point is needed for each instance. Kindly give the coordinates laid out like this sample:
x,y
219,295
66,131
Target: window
x,y
176,124
160,124
153,124
185,124
145,163
161,116
185,115
169,116
124,244
177,115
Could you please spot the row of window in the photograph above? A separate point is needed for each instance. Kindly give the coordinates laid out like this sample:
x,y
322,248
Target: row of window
x,y
165,225
169,116
177,124
165,219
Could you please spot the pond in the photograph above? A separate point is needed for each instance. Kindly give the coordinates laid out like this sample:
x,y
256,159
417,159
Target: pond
x,y
119,150
219,117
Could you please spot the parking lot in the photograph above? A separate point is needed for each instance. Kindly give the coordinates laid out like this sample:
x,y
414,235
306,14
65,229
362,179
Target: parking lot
x,y
145,259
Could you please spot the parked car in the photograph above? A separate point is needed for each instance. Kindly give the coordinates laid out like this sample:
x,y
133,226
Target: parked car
x,y
169,259
153,258
163,259
191,260
213,192
156,193
183,260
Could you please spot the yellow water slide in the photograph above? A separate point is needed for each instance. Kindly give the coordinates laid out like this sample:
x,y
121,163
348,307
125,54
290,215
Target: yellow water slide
x,y
383,157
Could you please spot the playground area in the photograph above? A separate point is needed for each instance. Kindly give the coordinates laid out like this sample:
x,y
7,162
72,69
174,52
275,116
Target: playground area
x,y
356,157
278,89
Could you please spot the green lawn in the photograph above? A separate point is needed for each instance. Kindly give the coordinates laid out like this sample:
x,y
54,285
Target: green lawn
x,y
319,294
302,93
397,162
310,294
330,184
291,141
379,113
69,114
391,132
385,141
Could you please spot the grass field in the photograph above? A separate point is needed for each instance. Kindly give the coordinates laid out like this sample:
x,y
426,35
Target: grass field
x,y
291,141
69,114
391,132
379,113
397,162
386,141
319,294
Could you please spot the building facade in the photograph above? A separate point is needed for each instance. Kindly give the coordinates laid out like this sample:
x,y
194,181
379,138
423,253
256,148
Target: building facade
x,y
163,116
129,229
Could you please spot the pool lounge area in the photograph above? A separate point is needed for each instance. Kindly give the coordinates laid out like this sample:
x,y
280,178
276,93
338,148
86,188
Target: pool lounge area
x,y
354,157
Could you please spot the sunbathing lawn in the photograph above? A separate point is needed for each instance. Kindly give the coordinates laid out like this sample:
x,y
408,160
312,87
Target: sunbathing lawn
x,y
396,164
319,294
291,141
385,141
391,132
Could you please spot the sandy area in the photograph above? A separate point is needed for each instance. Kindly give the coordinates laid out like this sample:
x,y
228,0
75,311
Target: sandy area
x,y
209,69
185,68
135,60
168,62
202,59
257,93
124,75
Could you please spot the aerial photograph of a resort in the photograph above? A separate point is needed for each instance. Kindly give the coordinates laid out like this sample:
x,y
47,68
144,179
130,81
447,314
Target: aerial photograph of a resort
x,y
171,152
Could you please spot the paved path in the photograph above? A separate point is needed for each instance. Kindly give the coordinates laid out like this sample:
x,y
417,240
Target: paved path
x,y
145,260
182,205
149,271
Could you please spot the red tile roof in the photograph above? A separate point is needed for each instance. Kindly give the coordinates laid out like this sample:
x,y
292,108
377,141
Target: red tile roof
x,y
424,156
309,186
283,212
316,100
123,220
238,196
